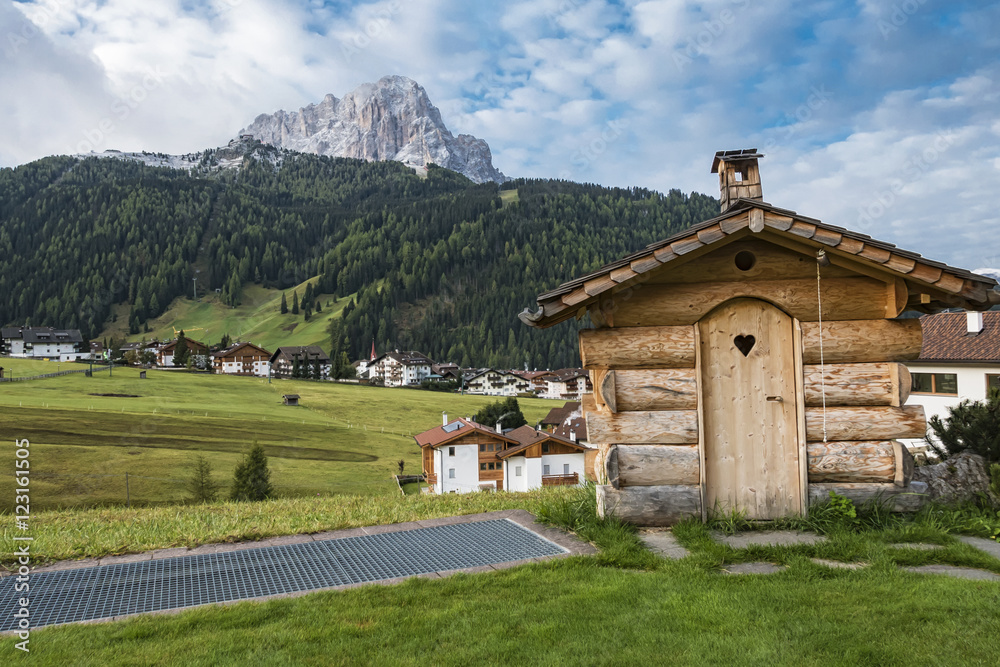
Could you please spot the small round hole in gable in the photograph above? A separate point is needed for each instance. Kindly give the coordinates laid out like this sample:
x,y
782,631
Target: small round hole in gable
x,y
745,260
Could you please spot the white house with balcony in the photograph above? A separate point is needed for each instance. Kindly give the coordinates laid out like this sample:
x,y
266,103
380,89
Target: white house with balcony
x,y
43,343
959,359
491,382
400,369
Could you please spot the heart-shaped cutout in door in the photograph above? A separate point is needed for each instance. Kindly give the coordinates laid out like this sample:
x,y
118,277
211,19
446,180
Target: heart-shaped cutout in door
x,y
744,344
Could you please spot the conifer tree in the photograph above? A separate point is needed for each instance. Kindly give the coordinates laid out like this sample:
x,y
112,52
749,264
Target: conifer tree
x,y
252,478
284,304
203,488
295,302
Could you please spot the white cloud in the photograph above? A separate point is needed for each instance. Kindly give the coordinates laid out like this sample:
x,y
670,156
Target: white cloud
x,y
837,105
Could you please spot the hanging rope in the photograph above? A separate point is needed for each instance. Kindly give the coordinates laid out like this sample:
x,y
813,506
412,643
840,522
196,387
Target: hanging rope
x,y
820,256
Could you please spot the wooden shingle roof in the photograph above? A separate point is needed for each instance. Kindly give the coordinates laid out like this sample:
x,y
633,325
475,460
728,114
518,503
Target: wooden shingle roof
x,y
953,287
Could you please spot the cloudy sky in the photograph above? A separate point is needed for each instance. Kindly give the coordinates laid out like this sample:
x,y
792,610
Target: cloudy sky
x,y
881,116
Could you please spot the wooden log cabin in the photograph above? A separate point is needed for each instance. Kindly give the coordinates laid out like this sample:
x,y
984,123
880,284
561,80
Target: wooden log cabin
x,y
752,361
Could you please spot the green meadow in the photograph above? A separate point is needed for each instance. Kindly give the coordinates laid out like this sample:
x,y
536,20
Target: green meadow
x,y
257,319
340,439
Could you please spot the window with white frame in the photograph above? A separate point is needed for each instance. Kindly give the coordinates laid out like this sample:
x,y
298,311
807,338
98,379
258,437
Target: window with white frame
x,y
451,473
517,471
545,470
565,468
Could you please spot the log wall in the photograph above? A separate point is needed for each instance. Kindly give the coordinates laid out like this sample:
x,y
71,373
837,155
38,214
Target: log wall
x,y
645,414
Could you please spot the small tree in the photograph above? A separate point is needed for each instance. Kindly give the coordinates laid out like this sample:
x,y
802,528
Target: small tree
x,y
252,478
401,464
284,304
971,425
317,370
181,352
295,302
203,488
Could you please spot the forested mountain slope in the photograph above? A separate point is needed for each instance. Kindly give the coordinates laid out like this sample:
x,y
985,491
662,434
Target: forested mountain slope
x,y
440,264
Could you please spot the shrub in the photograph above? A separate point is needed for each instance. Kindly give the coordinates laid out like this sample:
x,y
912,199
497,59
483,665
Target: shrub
x,y
252,479
973,425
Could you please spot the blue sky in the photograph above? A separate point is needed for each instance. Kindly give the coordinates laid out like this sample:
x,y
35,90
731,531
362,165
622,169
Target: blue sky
x,y
880,115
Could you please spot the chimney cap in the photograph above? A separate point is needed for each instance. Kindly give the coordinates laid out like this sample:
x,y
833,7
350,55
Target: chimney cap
x,y
737,155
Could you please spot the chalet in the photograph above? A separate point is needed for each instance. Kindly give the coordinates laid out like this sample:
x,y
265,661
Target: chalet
x,y
491,382
557,416
959,360
447,371
150,349
538,380
461,456
541,459
300,361
197,351
43,343
243,359
751,362
400,369
361,369
567,384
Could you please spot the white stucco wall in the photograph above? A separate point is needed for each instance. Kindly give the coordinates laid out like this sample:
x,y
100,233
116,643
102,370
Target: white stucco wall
x,y
466,465
533,470
971,385
557,461
512,481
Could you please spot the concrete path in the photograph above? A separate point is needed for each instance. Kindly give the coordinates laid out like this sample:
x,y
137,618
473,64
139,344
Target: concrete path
x,y
837,564
753,568
767,538
919,546
952,571
992,547
171,580
663,543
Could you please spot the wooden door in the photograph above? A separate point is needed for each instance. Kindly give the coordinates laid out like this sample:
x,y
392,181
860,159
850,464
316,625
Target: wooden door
x,y
748,389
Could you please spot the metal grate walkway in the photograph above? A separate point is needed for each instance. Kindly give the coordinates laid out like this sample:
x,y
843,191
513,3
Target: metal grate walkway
x,y
116,590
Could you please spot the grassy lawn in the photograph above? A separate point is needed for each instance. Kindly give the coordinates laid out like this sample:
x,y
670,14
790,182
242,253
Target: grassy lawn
x,y
341,439
257,319
624,606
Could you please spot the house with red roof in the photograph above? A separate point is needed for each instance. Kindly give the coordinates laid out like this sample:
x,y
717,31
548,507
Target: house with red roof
x,y
959,359
461,456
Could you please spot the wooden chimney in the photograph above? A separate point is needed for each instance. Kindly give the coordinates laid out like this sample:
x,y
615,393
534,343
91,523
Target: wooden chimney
x,y
739,176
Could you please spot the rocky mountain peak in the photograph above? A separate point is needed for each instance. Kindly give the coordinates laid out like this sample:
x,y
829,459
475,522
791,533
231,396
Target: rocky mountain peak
x,y
391,119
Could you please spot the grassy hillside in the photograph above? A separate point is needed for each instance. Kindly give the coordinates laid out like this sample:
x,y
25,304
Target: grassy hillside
x,y
257,319
342,439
